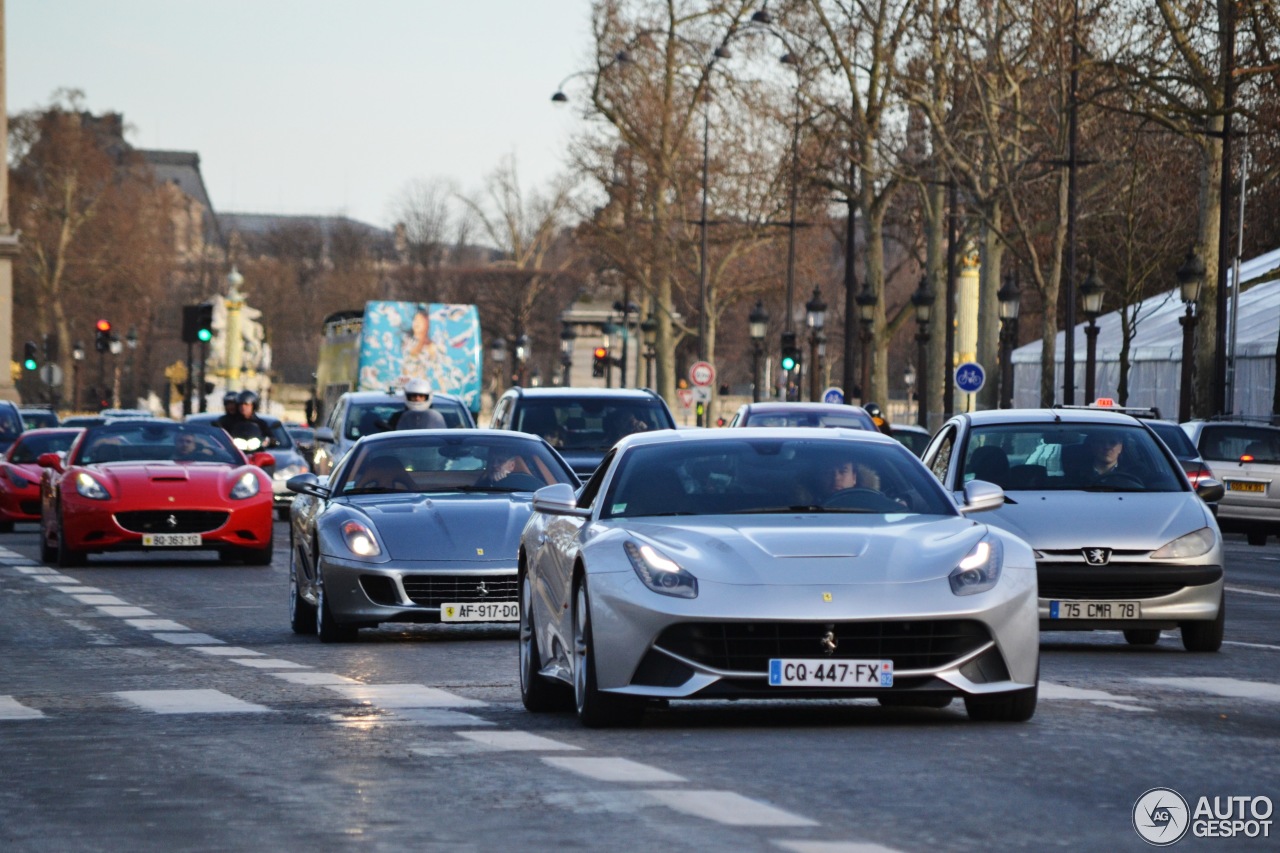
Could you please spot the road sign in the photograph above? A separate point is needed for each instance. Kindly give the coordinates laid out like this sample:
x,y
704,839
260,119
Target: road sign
x,y
833,395
702,373
686,397
970,377
51,375
701,394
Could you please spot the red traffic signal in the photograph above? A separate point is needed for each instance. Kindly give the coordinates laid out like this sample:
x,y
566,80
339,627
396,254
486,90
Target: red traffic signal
x,y
104,325
102,337
600,361
601,352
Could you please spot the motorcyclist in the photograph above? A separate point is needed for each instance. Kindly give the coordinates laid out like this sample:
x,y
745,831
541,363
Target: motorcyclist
x,y
417,413
880,418
247,430
230,409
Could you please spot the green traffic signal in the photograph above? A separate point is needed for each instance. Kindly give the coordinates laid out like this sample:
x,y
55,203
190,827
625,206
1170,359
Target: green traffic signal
x,y
29,360
788,363
204,335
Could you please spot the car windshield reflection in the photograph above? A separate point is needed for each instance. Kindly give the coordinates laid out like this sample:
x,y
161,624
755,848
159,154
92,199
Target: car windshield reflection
x,y
435,464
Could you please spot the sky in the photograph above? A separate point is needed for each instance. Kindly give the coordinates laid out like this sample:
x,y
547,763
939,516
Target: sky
x,y
315,106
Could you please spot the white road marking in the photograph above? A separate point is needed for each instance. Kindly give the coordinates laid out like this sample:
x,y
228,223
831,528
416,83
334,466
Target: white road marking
x,y
517,741
1049,690
403,696
54,579
727,807
311,678
225,651
1122,707
71,589
269,663
12,709
435,718
124,611
98,598
156,625
189,702
188,639
833,846
1232,688
34,570
613,770
1244,591
1251,645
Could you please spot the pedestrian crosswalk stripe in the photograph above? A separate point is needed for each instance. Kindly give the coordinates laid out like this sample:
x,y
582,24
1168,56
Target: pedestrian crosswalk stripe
x,y
612,769
517,741
269,663
12,709
156,625
1050,690
1233,688
727,807
313,678
225,651
204,701
124,611
832,846
188,639
99,598
403,696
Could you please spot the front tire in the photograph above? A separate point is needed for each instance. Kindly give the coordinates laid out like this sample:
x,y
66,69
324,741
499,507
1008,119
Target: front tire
x,y
48,553
302,613
1017,706
1142,636
328,629
260,557
1205,636
596,709
68,558
1257,536
537,693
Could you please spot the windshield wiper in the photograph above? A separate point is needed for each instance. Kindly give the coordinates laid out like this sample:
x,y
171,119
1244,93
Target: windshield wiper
x,y
814,508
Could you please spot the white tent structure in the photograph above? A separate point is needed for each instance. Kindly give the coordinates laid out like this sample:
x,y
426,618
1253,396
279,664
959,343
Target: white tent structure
x,y
1155,354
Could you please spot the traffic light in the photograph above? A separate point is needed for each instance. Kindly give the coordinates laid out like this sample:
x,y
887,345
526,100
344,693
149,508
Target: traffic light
x,y
600,361
102,336
790,353
29,359
204,322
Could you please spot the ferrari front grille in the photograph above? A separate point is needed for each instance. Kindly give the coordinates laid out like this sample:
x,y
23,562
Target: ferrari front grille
x,y
171,521
748,646
434,590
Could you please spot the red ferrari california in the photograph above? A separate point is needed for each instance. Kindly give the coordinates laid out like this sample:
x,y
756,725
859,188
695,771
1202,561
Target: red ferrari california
x,y
20,474
152,485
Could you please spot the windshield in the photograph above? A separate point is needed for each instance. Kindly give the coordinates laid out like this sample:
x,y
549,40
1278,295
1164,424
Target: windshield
x,y
594,425
801,418
452,464
373,418
1229,442
30,446
770,475
149,440
1066,456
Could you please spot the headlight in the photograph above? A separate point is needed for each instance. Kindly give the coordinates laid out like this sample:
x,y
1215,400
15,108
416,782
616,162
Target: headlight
x,y
248,445
979,571
17,479
90,488
1195,544
289,471
659,572
360,539
246,486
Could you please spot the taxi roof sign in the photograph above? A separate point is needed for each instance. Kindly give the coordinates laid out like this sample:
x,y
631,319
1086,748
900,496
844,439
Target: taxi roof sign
x,y
1104,402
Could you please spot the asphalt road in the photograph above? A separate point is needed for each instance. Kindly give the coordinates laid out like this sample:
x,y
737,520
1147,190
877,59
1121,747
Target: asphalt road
x,y
180,713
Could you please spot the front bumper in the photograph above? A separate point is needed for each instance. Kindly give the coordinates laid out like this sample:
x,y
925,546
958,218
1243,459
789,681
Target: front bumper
x,y
410,591
94,527
632,629
1167,594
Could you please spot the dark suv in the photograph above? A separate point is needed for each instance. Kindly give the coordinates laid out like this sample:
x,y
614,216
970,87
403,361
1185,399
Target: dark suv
x,y
581,423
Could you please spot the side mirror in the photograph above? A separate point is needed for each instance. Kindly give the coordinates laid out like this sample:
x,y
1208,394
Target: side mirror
x,y
307,484
1210,490
979,495
50,460
558,499
262,459
324,434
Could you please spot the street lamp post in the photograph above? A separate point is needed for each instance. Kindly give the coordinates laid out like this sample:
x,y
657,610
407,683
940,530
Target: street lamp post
x,y
815,318
1091,292
909,379
1190,277
522,357
758,323
567,337
498,355
792,60
866,315
77,356
649,335
922,301
1010,297
116,346
131,341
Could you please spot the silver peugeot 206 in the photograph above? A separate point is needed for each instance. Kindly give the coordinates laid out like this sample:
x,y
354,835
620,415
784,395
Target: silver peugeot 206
x,y
1123,542
778,563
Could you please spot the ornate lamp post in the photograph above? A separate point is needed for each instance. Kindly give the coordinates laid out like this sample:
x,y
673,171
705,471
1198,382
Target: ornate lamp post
x,y
649,335
815,318
758,323
1091,292
1010,297
522,357
866,316
77,356
567,337
498,355
1190,277
117,347
909,379
922,301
